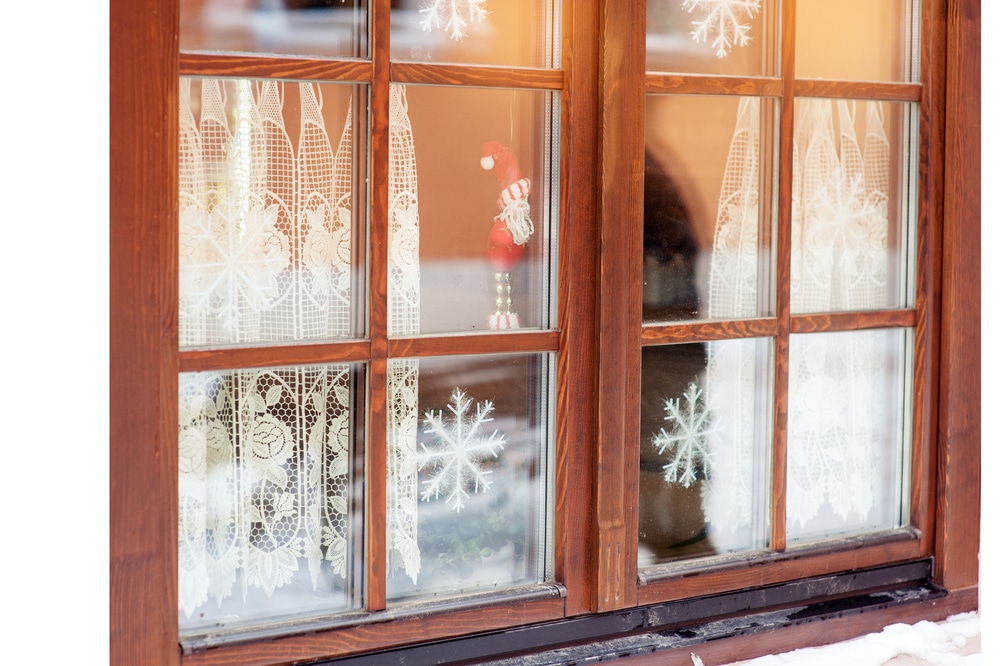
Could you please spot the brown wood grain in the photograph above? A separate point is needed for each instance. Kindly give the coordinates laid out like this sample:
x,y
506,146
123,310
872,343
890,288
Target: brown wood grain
x,y
959,475
620,144
274,67
143,332
783,281
477,75
704,84
853,321
768,568
891,92
387,630
508,342
653,334
576,363
348,351
378,301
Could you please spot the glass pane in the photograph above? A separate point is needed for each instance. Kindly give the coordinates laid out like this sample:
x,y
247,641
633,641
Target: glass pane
x,y
469,489
853,207
857,40
282,27
848,433
705,455
270,240
480,256
268,525
707,208
713,36
524,33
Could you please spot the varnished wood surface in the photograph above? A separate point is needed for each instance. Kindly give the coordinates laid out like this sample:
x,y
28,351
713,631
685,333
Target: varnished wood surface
x,y
477,75
783,272
508,342
959,475
392,631
653,334
774,567
274,67
143,332
348,351
576,365
891,92
852,321
703,84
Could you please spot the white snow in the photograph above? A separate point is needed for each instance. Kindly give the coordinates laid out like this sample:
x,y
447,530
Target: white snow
x,y
937,644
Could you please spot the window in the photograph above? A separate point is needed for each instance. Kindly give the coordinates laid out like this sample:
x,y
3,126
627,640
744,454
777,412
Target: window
x,y
468,321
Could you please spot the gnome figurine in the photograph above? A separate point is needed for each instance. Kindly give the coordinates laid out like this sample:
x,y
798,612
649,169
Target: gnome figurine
x,y
511,228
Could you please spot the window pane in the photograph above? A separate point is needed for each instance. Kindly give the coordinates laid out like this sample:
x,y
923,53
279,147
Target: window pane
x,y
857,40
524,33
268,527
852,209
705,452
712,37
270,247
707,209
284,27
469,488
485,161
848,433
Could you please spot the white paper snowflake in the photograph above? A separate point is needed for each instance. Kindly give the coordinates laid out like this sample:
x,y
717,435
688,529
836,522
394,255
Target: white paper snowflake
x,y
455,15
723,20
690,427
459,448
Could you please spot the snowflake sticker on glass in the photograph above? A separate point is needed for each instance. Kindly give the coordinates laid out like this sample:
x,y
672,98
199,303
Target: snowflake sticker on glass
x,y
458,451
687,439
725,22
454,15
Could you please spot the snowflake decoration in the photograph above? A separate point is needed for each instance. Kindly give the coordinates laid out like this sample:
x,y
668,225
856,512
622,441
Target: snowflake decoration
x,y
459,449
459,13
848,218
688,437
723,19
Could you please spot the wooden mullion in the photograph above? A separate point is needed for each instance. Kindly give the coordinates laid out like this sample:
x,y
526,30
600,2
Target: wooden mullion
x,y
863,90
620,162
378,277
783,281
706,331
526,78
273,67
453,345
348,351
704,84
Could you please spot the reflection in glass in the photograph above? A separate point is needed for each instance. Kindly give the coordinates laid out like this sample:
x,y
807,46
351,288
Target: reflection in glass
x,y
476,485
847,434
269,239
281,27
707,208
851,214
711,37
523,33
704,454
857,40
487,206
268,528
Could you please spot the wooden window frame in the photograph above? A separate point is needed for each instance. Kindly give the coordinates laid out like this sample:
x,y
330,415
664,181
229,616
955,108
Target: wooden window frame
x,y
599,335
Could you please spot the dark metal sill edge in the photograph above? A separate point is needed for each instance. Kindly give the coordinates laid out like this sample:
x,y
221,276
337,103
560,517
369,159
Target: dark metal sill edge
x,y
636,631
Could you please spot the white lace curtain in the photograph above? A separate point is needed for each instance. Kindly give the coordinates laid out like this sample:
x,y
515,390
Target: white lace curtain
x,y
266,255
839,262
